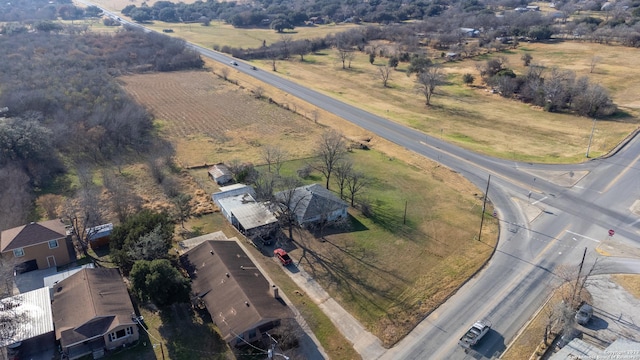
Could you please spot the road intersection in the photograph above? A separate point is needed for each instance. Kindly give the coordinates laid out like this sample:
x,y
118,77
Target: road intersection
x,y
549,214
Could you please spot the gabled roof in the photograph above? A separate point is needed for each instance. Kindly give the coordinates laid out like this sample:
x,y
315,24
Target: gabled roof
x,y
32,234
235,292
219,170
90,303
309,201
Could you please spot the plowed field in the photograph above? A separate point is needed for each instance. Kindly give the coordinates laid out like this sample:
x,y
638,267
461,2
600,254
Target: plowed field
x,y
212,121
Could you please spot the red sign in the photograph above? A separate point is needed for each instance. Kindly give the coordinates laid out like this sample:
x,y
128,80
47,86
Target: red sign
x,y
611,232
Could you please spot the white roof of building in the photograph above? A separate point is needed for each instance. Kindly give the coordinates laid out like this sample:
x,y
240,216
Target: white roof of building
x,y
99,231
185,245
52,280
36,306
254,215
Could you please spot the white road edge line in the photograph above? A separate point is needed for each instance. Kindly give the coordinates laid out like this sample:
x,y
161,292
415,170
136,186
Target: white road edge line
x,y
537,201
584,236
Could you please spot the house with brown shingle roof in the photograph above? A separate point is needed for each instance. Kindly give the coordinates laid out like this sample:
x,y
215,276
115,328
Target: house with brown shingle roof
x,y
38,245
239,298
93,313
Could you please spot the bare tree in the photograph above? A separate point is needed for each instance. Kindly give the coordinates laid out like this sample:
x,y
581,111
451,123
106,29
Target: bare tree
x,y
356,181
259,92
344,55
264,186
526,59
224,71
330,150
285,45
302,48
50,203
13,316
183,206
385,74
594,61
15,194
287,201
343,171
124,202
428,80
7,268
85,214
274,155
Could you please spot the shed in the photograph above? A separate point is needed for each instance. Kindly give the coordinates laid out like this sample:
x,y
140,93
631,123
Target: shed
x,y
99,235
220,173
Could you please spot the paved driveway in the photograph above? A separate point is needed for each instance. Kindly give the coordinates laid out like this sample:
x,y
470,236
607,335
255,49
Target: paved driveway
x,y
615,313
31,280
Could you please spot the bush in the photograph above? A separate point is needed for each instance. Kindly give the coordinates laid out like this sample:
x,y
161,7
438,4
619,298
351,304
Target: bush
x,y
159,282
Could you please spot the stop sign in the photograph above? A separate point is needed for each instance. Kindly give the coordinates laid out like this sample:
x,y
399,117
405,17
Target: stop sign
x,y
611,232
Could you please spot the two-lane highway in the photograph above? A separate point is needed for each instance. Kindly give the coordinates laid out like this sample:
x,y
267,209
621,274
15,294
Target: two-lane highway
x,y
520,275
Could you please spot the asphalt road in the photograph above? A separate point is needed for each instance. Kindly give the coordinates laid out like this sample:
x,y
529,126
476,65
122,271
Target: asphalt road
x,y
576,205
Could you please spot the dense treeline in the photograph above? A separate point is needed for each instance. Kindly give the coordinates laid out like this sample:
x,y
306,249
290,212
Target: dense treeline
x,y
617,21
553,89
61,105
29,10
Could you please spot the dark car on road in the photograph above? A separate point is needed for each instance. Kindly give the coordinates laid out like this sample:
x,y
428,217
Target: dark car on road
x,y
282,256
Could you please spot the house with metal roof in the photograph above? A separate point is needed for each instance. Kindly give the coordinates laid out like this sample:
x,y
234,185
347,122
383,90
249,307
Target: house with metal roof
x,y
242,303
93,313
239,207
33,325
38,245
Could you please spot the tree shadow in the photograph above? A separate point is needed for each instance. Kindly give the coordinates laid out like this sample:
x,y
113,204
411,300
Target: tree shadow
x,y
354,274
190,334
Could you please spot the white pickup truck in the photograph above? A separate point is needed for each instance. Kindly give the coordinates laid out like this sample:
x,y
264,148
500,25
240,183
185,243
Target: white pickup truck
x,y
477,331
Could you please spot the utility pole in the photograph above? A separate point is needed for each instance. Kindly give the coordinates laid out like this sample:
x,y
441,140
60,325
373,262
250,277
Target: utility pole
x,y
591,137
484,206
575,288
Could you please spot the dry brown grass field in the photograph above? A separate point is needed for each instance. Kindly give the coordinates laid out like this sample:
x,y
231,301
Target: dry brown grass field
x,y
473,117
210,120
469,116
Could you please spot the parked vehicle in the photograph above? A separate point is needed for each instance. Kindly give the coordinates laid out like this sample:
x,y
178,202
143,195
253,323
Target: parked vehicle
x,y
282,256
584,314
477,331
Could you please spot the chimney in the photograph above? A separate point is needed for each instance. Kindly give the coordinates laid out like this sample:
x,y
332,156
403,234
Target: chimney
x,y
275,291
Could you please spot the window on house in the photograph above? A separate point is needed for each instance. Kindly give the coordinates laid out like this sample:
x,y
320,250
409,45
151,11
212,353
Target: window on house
x,y
129,330
18,252
53,244
119,334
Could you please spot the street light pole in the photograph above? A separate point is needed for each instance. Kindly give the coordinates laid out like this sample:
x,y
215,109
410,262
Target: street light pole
x,y
591,137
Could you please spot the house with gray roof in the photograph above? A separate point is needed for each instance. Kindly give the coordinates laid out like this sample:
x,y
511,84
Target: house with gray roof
x,y
241,301
313,204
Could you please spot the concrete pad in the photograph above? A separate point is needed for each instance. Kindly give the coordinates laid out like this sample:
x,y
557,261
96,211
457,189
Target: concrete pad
x,y
31,280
